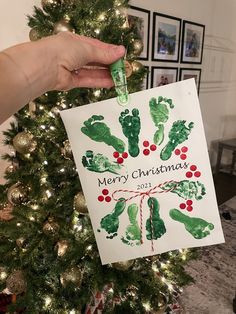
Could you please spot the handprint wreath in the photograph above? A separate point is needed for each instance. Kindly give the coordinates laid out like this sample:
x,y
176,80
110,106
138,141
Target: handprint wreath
x,y
155,226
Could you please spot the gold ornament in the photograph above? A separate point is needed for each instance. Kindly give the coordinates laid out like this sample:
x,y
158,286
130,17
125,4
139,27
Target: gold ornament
x,y
50,3
34,34
73,274
24,143
50,227
80,204
15,283
66,150
137,47
123,265
62,26
62,247
137,66
128,69
17,194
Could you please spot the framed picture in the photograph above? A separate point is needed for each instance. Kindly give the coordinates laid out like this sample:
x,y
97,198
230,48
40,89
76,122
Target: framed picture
x,y
192,42
141,19
146,79
166,38
163,76
186,73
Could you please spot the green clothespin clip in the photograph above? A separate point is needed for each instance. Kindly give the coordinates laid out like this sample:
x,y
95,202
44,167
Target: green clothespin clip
x,y
119,77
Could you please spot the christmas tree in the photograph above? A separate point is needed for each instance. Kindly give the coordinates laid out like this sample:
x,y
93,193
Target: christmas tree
x,y
49,259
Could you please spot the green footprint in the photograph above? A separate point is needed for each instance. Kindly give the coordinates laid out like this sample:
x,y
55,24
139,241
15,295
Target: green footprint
x,y
98,131
110,222
99,163
131,128
157,228
186,189
133,232
197,227
178,134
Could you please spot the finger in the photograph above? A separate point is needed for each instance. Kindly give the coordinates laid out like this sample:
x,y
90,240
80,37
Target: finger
x,y
92,79
95,42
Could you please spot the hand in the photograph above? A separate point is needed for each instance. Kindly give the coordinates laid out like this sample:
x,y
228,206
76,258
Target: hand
x,y
80,61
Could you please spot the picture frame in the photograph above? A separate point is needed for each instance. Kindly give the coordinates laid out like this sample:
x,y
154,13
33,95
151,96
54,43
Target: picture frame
x,y
163,76
166,37
146,79
141,17
187,73
192,42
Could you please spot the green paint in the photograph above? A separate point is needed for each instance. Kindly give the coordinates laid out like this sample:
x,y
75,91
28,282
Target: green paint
x,y
197,227
99,132
157,228
99,163
178,134
131,128
110,222
160,113
133,232
186,189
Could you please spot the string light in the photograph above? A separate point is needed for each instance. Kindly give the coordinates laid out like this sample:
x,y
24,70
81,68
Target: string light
x,y
45,162
101,17
72,312
48,301
3,275
97,93
48,193
18,224
31,218
155,268
147,306
43,127
170,287
62,170
34,206
97,31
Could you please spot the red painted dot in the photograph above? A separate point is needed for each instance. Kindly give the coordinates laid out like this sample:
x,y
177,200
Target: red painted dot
x,y
189,202
146,152
101,198
116,154
124,155
182,206
189,174
105,191
193,168
120,160
153,147
183,156
189,208
177,152
108,199
184,149
197,174
145,143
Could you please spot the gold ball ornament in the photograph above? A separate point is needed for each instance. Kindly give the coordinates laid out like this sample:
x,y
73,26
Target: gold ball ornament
x,y
62,247
136,66
137,47
15,283
17,194
50,3
62,26
80,204
72,275
34,34
123,265
50,227
128,68
66,150
24,143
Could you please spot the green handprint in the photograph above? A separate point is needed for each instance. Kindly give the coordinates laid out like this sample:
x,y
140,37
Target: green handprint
x,y
110,222
197,227
186,189
131,128
98,131
133,232
99,163
156,227
178,134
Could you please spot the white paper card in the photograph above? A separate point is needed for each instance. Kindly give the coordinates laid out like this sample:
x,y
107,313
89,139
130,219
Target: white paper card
x,y
145,172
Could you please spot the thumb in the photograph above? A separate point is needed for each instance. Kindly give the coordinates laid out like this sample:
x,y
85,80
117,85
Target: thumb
x,y
105,55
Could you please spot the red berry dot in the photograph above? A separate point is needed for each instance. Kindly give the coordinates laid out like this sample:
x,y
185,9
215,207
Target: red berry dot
x,y
116,154
120,160
145,143
101,198
197,174
189,174
189,208
124,155
182,206
146,152
193,168
108,199
184,149
189,202
105,191
153,147
177,152
183,156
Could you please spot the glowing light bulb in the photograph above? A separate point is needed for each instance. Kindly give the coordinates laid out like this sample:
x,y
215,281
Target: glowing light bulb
x,y
18,224
43,127
45,162
163,279
34,206
3,275
97,93
101,17
31,218
62,170
147,306
154,268
170,287
48,193
97,31
48,301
